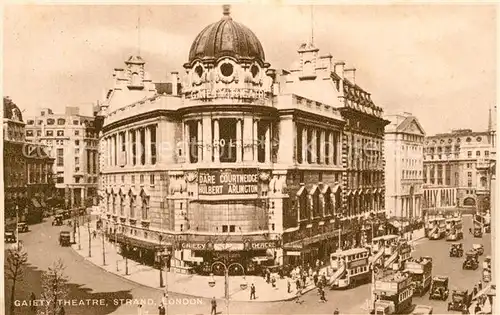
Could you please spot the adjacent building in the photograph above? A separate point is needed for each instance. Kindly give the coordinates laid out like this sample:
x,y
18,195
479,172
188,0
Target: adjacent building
x,y
457,168
237,161
404,144
28,183
72,141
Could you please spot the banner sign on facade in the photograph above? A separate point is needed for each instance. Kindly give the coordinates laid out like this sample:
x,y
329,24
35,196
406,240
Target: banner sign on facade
x,y
228,182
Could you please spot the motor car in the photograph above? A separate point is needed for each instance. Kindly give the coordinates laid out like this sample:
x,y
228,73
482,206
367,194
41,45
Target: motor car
x,y
439,288
460,301
456,250
478,232
479,248
22,227
58,220
486,275
10,237
471,260
487,262
422,310
64,238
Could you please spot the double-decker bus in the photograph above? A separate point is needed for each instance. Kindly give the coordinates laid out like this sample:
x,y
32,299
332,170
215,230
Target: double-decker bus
x,y
351,267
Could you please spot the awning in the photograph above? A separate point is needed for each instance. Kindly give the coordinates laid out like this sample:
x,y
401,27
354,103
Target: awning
x,y
35,203
312,189
335,188
259,259
120,238
132,191
368,191
324,188
488,290
301,190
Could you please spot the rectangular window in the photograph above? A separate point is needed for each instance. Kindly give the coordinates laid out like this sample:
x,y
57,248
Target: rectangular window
x,y
49,133
141,179
227,141
60,133
224,229
132,179
261,142
77,132
469,153
152,179
486,153
60,157
478,153
298,152
153,145
193,141
232,228
77,160
76,122
77,151
77,142
142,135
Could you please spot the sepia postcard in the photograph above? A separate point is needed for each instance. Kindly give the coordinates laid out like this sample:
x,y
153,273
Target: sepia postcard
x,y
249,158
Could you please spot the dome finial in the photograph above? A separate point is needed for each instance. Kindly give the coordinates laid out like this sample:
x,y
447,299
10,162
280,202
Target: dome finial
x,y
226,10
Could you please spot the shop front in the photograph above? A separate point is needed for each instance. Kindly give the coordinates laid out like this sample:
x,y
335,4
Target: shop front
x,y
254,253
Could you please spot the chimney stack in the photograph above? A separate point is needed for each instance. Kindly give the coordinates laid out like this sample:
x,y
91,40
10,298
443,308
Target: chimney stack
x,y
350,74
326,62
338,68
175,81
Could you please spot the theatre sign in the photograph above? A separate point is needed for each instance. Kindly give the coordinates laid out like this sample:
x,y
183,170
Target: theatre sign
x,y
440,198
228,181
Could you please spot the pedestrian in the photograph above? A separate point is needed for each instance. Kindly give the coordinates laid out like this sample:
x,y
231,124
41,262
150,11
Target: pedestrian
x,y
474,291
268,276
94,234
62,311
470,230
214,306
322,296
288,285
336,312
477,309
252,292
139,310
161,309
315,278
273,282
479,285
297,284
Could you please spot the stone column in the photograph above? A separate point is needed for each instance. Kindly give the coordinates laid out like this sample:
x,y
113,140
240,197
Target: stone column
x,y
304,145
199,142
314,156
207,139
322,147
187,143
256,139
138,146
147,144
247,139
110,150
331,148
268,144
128,147
428,171
115,149
239,143
444,174
216,150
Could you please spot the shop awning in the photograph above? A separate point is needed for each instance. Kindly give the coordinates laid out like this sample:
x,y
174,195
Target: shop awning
x,y
120,238
35,203
488,290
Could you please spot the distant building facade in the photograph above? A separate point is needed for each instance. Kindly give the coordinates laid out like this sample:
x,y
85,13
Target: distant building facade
x,y
28,183
73,143
404,144
457,168
239,161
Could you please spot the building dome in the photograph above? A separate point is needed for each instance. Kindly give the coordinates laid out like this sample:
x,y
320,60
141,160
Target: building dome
x,y
10,110
226,38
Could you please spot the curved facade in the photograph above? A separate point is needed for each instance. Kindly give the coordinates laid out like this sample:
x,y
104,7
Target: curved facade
x,y
233,161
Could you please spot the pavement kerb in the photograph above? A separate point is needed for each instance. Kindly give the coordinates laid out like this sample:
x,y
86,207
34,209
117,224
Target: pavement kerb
x,y
308,289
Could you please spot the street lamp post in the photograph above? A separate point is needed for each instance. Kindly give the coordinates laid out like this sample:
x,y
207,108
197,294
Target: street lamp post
x,y
17,226
211,282
126,257
90,238
116,249
79,242
103,249
161,257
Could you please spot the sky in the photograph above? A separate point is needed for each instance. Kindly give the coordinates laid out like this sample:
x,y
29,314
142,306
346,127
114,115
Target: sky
x,y
434,61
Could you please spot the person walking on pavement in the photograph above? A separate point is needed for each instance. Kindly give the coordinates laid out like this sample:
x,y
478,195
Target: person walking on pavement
x,y
273,282
252,292
479,285
288,285
322,298
62,311
336,312
214,306
161,309
139,310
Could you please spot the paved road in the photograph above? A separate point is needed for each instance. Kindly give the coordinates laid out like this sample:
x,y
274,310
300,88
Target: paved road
x,y
91,282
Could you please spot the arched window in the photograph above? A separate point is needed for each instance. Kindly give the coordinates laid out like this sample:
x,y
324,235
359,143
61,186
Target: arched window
x,y
328,202
114,203
132,204
136,80
145,206
122,203
316,204
303,204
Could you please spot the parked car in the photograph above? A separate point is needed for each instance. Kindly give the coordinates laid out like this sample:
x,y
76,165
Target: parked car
x,y
64,238
439,288
22,227
10,237
479,248
478,232
58,220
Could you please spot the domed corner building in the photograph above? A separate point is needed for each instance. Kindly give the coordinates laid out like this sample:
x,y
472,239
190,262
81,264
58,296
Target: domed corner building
x,y
28,183
235,161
